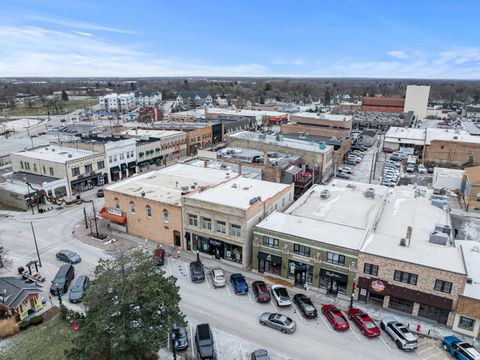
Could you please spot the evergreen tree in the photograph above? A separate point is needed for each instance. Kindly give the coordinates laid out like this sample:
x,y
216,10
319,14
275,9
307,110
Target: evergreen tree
x,y
64,95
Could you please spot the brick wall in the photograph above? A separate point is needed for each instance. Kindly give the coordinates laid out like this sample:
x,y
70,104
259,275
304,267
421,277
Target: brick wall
x,y
451,153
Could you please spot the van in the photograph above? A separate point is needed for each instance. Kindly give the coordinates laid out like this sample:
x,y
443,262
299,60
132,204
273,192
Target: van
x,y
62,280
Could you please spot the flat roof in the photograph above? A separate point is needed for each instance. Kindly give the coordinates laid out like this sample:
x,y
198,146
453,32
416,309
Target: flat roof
x,y
244,112
283,141
248,172
153,133
324,116
406,135
471,255
238,192
165,185
55,153
450,135
405,208
424,136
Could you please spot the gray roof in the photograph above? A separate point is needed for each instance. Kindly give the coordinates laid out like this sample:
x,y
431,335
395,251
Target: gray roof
x,y
15,289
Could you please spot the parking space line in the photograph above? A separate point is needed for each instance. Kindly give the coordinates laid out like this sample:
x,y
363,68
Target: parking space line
x,y
250,298
206,280
186,271
216,347
192,339
426,349
355,333
326,324
169,267
432,355
388,346
273,305
228,290
243,351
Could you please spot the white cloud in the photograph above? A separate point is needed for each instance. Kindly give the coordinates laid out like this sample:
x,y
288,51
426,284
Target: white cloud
x,y
399,54
83,33
294,62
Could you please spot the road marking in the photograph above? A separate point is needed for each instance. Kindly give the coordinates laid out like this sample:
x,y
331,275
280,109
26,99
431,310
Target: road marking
x,y
188,274
216,347
169,267
388,346
274,308
431,355
243,351
228,290
355,333
206,280
426,349
326,324
250,298
192,340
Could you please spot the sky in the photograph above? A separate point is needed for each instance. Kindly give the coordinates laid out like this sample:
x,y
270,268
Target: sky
x,y
318,38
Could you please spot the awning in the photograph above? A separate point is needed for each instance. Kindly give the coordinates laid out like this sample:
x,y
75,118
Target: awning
x,y
123,166
269,257
132,164
112,217
115,169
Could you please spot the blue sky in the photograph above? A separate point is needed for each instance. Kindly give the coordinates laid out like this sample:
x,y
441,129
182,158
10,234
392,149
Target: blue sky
x,y
401,39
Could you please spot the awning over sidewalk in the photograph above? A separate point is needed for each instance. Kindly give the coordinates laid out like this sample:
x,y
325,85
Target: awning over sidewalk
x,y
119,219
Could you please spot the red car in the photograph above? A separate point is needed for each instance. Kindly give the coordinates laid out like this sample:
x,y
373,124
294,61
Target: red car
x,y
261,291
159,256
364,322
335,317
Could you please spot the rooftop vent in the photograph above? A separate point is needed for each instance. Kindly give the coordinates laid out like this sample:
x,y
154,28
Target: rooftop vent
x,y
476,248
262,136
254,200
469,281
70,156
438,238
143,193
234,185
441,228
370,193
184,189
403,242
324,194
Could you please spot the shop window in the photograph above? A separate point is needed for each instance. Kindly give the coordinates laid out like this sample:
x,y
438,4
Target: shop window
x,y
221,227
466,323
132,207
51,170
192,220
75,171
21,164
443,286
165,216
235,230
233,253
400,305
405,277
149,211
117,203
88,168
270,242
433,313
370,269
207,223
301,250
336,259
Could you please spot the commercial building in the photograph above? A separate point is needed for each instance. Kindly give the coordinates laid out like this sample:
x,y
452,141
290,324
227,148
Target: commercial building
x,y
316,241
262,117
381,120
470,188
416,100
467,318
219,221
317,157
82,169
117,102
383,104
445,178
408,262
149,205
472,111
339,126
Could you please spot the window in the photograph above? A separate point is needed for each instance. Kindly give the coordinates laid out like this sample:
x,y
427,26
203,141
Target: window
x,y
110,159
207,223
44,171
149,211
132,207
21,164
301,250
283,202
131,153
122,156
235,230
117,203
88,168
221,227
466,323
370,269
27,165
35,167
433,313
270,242
115,158
51,170
443,286
165,215
128,154
334,258
192,220
75,171
100,165
400,305
478,196
405,277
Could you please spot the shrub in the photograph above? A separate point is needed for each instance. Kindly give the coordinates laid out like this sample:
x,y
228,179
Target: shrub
x,y
8,327
36,320
22,325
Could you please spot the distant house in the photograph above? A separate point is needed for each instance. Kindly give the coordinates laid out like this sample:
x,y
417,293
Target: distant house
x,y
21,297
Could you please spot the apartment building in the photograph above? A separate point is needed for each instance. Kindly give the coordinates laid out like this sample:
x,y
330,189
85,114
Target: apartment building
x,y
219,221
150,98
117,102
339,126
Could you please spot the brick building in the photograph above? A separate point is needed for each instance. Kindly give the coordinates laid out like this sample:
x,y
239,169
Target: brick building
x,y
339,126
383,104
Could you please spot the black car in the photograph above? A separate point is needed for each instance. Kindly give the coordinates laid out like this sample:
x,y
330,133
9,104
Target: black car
x,y
100,193
305,305
179,337
68,256
204,341
260,354
77,292
62,280
342,175
197,273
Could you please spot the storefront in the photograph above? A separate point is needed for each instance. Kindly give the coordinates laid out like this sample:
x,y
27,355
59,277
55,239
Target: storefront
x,y
84,183
115,173
215,247
334,282
269,263
301,273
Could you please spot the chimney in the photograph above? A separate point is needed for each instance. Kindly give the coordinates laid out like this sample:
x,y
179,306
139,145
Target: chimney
x,y
239,168
409,234
265,158
205,163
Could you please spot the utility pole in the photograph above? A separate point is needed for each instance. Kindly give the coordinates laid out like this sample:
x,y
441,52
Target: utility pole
x,y
36,245
29,195
95,218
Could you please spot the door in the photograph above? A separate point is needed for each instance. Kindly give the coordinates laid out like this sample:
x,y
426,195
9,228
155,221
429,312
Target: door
x,y
300,277
217,253
332,287
261,265
176,239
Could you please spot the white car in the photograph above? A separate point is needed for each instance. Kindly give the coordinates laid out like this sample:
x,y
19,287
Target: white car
x,y
280,294
346,170
218,278
422,169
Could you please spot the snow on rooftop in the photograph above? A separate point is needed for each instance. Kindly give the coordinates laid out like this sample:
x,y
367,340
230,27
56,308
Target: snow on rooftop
x,y
165,185
324,116
421,136
56,153
471,255
159,134
401,134
243,112
238,192
450,135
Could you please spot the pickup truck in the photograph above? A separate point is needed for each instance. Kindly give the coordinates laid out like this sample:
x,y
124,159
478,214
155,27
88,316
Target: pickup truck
x,y
460,349
204,341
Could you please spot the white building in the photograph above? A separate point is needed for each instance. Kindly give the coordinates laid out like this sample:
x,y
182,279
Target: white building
x,y
416,100
121,158
117,102
148,98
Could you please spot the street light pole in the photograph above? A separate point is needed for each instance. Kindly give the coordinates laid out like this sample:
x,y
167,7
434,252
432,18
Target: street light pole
x,y
36,245
95,218
353,295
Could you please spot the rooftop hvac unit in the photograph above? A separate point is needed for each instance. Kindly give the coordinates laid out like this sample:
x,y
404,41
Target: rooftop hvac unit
x,y
234,185
324,194
184,189
254,200
438,238
370,193
403,242
441,228
262,136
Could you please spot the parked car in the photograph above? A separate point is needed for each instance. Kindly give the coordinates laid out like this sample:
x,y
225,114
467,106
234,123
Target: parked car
x,y
159,256
422,169
77,292
260,354
280,294
346,170
351,163
460,349
261,292
100,193
399,333
239,284
430,170
179,337
218,278
364,322
410,168
342,175
396,158
68,256
335,317
305,305
204,341
388,150
62,280
278,322
197,273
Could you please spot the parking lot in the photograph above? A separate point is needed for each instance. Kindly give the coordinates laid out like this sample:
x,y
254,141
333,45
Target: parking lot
x,y
237,332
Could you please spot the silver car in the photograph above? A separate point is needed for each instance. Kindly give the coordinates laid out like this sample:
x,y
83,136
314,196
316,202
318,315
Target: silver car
x,y
218,277
278,322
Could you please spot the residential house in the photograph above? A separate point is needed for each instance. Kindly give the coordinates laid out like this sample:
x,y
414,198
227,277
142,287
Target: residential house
x,y
19,296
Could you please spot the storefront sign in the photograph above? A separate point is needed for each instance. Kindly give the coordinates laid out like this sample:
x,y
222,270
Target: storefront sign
x,y
214,242
377,286
334,275
114,211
